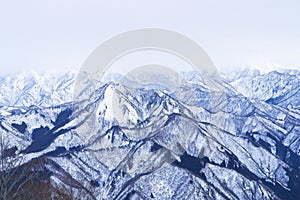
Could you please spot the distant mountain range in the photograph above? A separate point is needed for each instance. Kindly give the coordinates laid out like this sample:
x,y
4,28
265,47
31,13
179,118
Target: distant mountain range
x,y
194,143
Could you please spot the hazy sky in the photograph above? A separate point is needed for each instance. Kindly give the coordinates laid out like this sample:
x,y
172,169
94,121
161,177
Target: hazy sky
x,y
58,34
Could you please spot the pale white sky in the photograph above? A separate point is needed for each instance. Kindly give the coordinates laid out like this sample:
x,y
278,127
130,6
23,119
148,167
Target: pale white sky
x,y
55,34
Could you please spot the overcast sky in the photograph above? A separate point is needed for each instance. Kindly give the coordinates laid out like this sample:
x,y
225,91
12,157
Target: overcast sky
x,y
58,34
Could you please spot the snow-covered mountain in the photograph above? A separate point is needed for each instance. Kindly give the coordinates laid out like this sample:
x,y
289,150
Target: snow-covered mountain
x,y
194,143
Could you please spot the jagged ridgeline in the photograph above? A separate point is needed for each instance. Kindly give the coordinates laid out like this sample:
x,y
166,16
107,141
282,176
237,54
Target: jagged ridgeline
x,y
190,142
